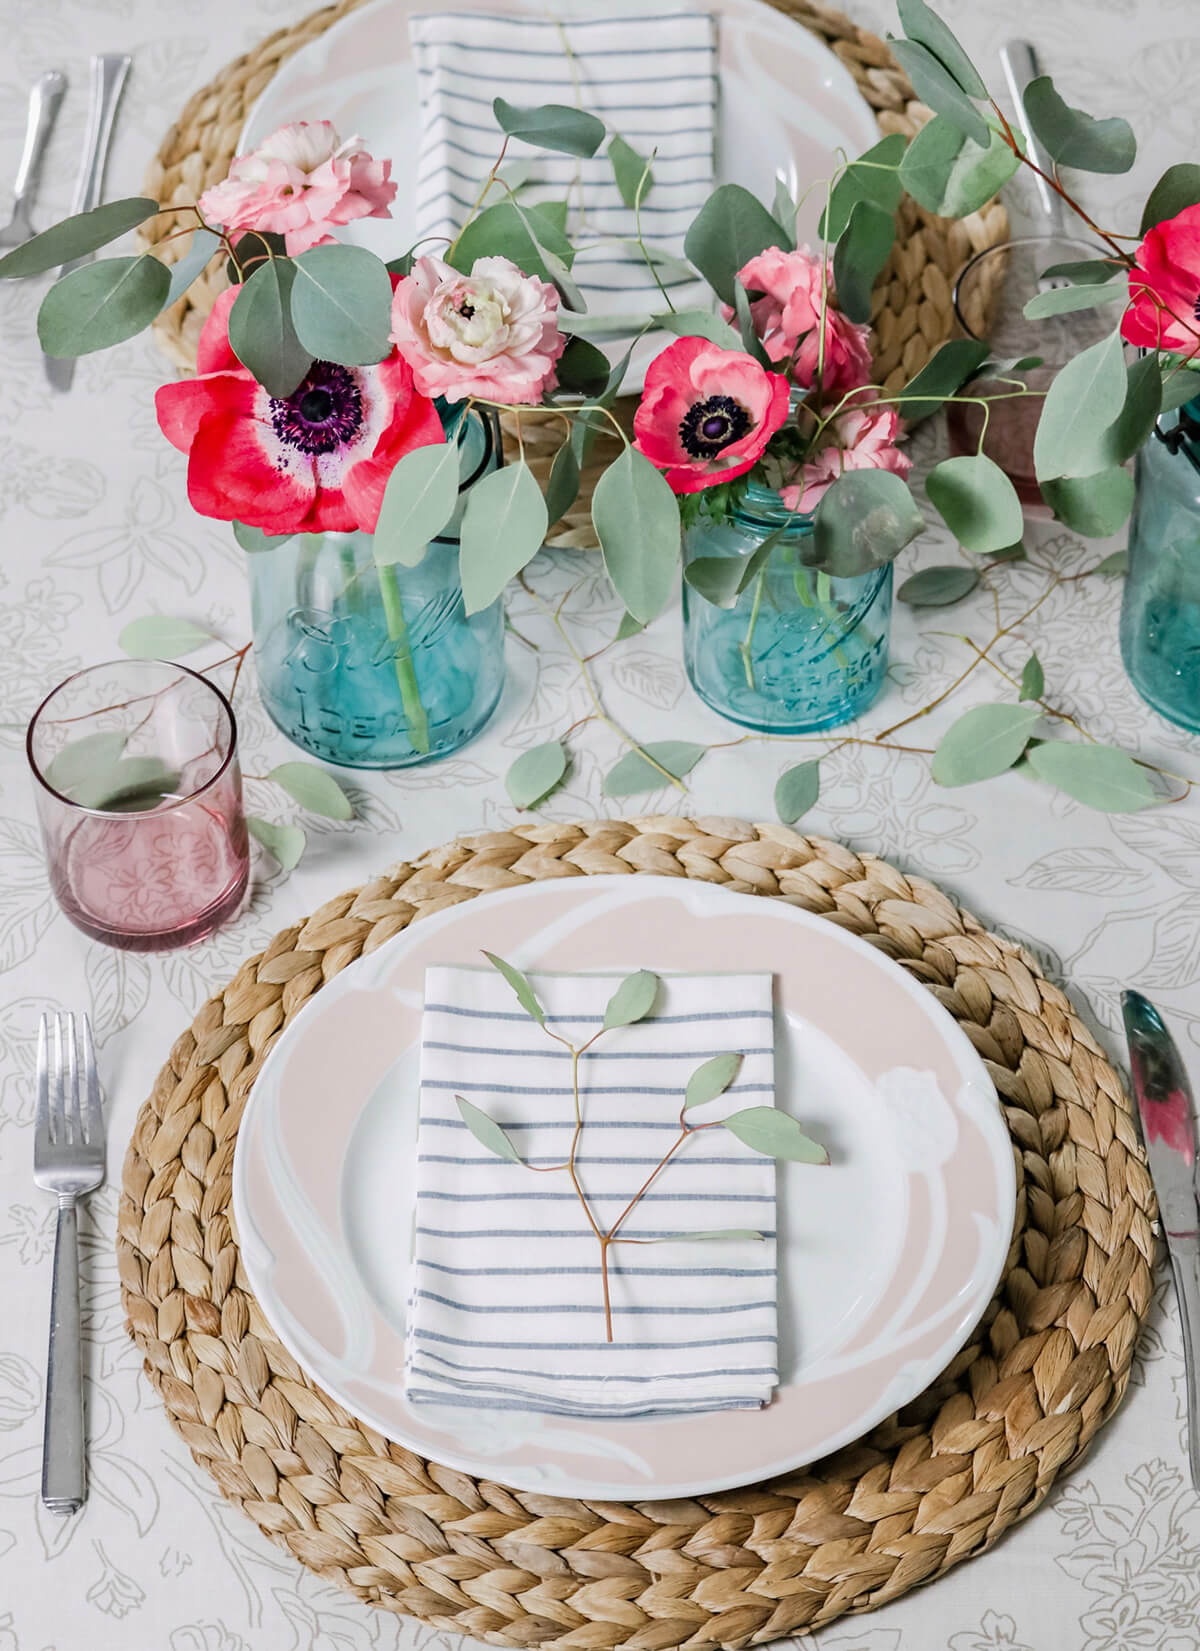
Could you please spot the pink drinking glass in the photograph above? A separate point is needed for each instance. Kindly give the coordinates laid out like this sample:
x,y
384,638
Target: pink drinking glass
x,y
139,795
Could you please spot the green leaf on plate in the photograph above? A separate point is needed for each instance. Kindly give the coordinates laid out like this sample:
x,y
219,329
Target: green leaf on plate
x,y
101,304
551,126
76,237
1089,296
261,333
773,1133
797,790
1073,138
977,502
699,324
945,372
285,842
711,1079
862,250
342,304
1080,407
633,1000
1033,679
636,519
984,742
1092,505
562,486
873,177
1099,776
84,761
420,498
927,28
503,528
535,773
864,520
1177,189
632,774
633,174
936,86
487,1131
159,636
950,173
524,991
506,231
938,587
254,539
731,227
1114,566
313,788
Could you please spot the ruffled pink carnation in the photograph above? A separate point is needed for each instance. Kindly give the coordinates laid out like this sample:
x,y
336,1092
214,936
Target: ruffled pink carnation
x,y
1163,289
861,438
706,414
787,316
492,333
299,183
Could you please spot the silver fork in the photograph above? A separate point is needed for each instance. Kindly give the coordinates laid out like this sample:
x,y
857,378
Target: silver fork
x,y
68,1160
44,98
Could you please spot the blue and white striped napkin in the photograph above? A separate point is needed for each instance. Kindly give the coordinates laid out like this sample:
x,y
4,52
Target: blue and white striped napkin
x,y
651,79
506,1306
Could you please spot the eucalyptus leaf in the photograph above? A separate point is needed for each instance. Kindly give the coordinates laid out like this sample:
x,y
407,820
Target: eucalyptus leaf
x,y
342,304
401,265
717,1232
558,268
1081,405
102,304
984,742
1010,553
711,1079
1073,138
636,520
1180,384
261,333
204,245
797,790
313,788
1175,191
551,126
286,842
873,177
633,1000
506,231
76,237
776,1135
1063,300
861,252
633,174
1140,412
722,579
699,324
864,520
1033,679
583,369
159,636
731,227
938,587
937,87
503,528
84,761
671,271
535,773
927,28
1114,566
784,211
632,774
420,497
945,372
254,539
562,486
487,1131
255,247
950,173
133,785
525,994
977,502
1088,272
628,627
1092,505
617,325
745,320
1099,776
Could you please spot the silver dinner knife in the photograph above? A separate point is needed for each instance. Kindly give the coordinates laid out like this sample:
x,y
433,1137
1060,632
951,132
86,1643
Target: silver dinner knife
x,y
1164,1102
108,79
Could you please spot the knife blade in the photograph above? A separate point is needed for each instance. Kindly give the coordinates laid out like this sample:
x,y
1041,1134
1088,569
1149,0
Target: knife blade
x,y
1167,1112
108,73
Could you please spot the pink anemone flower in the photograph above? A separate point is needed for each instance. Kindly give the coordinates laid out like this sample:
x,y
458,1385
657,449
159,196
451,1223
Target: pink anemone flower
x,y
707,414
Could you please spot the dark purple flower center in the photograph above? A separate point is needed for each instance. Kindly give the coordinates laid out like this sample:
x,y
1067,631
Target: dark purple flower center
x,y
708,426
323,413
1196,307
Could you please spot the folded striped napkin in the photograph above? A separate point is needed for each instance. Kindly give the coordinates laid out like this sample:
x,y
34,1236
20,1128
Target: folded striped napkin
x,y
506,1307
653,80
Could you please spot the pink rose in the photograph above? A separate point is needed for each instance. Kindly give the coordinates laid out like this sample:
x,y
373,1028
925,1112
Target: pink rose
x,y
1163,288
492,333
786,319
706,413
861,438
298,183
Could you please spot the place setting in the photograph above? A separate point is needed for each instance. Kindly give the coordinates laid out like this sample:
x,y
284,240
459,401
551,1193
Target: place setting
x,y
604,970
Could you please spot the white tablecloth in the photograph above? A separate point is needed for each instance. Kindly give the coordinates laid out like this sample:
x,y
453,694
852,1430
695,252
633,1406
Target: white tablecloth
x,y
96,530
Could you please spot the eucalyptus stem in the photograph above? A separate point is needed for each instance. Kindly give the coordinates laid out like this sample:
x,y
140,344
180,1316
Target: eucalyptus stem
x,y
406,671
745,645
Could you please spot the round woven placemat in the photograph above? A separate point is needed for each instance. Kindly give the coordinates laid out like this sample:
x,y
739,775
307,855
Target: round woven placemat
x,y
912,309
930,1487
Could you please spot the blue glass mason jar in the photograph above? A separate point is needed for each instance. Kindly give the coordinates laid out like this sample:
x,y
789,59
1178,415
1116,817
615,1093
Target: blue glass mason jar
x,y
798,650
1160,611
371,667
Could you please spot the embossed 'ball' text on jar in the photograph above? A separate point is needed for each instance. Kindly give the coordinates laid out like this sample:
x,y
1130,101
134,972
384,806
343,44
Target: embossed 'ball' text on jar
x,y
798,650
379,667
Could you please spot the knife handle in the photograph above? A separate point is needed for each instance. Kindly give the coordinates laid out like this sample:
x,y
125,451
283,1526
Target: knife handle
x,y
108,79
1185,1265
1020,65
44,100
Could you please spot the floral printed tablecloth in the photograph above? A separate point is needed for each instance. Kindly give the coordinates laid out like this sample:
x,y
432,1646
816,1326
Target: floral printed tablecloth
x,y
96,530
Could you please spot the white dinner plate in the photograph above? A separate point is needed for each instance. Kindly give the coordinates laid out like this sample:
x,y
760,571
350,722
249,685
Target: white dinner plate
x,y
887,1259
785,107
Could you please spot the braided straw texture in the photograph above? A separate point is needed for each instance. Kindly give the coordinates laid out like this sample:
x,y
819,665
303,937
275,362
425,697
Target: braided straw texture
x,y
932,1486
913,312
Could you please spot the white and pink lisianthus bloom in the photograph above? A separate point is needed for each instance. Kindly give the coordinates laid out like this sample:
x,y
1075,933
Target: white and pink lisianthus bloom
x,y
707,414
861,438
300,182
492,333
787,321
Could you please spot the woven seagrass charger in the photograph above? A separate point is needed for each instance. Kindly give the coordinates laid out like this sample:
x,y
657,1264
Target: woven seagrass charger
x,y
912,307
932,1486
